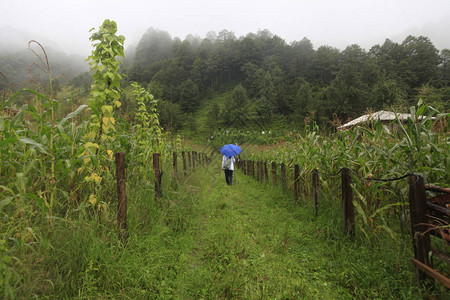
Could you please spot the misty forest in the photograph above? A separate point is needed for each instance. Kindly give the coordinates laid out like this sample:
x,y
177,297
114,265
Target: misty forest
x,y
264,81
111,184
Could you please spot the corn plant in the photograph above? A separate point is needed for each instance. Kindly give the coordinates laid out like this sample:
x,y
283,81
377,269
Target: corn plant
x,y
371,152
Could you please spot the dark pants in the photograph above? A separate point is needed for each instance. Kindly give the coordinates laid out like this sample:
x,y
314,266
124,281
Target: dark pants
x,y
229,177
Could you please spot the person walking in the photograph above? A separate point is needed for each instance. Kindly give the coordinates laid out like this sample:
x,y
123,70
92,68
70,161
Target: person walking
x,y
228,167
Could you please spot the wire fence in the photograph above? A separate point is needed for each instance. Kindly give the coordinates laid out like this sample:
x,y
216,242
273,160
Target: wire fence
x,y
422,211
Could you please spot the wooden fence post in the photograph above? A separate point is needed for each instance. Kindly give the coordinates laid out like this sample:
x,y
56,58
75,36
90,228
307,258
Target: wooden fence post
x,y
247,166
184,162
283,177
266,173
347,203
418,211
257,171
122,205
158,177
296,182
194,158
315,186
175,165
274,173
190,159
261,171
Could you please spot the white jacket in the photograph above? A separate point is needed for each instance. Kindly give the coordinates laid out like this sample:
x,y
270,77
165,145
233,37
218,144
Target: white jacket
x,y
232,162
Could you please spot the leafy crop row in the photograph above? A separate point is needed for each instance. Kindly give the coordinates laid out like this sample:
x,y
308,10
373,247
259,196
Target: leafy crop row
x,y
375,151
60,168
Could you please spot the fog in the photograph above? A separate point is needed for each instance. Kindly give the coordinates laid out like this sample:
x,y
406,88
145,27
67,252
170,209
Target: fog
x,y
65,24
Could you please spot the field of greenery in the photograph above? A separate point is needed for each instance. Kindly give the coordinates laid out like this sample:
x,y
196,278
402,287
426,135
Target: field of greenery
x,y
58,228
57,162
372,151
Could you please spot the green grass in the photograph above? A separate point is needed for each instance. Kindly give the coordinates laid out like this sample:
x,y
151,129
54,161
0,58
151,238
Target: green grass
x,y
207,240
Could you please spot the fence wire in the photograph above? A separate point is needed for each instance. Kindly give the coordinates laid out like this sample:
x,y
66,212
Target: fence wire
x,y
381,179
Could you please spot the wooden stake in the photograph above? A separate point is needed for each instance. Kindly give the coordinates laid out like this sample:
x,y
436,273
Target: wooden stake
x,y
190,159
274,173
158,177
266,173
296,183
183,154
283,177
175,166
258,171
315,186
418,210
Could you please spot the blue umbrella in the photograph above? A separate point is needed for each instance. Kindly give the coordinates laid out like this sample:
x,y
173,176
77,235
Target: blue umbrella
x,y
230,150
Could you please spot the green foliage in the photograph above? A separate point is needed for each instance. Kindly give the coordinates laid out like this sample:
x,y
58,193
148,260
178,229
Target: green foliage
x,y
56,177
105,94
58,237
189,96
421,60
237,111
83,81
15,67
214,242
170,115
105,89
342,84
147,131
420,147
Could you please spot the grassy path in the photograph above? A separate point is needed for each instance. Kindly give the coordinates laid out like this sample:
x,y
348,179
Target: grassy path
x,y
250,241
247,247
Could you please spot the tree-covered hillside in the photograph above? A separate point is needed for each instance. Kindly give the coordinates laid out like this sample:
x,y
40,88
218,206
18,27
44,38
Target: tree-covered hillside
x,y
21,67
269,79
258,80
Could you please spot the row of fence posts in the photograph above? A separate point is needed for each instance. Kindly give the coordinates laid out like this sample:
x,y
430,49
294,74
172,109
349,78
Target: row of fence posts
x,y
417,199
260,171
417,202
191,160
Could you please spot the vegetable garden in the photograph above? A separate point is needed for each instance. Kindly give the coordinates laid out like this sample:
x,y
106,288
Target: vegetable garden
x,y
58,171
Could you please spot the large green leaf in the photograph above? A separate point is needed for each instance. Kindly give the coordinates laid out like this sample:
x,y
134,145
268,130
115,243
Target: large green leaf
x,y
32,142
73,114
36,93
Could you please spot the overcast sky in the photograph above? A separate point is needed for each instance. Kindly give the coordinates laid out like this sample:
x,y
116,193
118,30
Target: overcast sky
x,y
337,23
